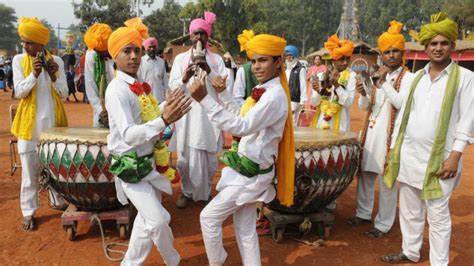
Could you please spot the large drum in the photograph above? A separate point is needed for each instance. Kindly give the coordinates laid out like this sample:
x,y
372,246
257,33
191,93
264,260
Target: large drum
x,y
326,162
77,161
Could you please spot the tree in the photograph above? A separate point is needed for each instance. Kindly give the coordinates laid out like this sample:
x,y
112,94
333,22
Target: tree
x,y
164,23
111,12
7,28
53,38
462,12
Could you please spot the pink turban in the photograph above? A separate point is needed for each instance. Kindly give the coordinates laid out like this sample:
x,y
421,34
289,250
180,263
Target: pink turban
x,y
205,24
150,41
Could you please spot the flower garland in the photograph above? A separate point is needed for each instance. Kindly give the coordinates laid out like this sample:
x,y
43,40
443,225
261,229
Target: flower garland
x,y
151,110
330,105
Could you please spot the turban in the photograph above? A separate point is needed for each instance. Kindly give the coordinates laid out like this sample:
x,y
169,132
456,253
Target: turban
x,y
96,37
392,37
291,49
270,45
134,33
339,48
33,30
440,25
149,42
205,24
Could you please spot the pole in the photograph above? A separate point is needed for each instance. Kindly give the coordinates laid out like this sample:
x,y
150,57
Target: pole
x,y
59,36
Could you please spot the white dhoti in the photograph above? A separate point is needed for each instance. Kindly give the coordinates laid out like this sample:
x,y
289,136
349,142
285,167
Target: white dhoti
x,y
412,224
197,168
365,201
29,185
151,225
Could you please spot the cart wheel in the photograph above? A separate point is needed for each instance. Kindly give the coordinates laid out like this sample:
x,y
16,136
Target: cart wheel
x,y
277,234
123,231
71,233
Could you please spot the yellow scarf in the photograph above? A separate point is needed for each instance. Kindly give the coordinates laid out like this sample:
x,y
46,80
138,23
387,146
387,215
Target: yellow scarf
x,y
25,116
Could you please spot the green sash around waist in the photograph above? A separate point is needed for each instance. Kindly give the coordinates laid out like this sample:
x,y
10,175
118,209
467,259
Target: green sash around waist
x,y
130,167
243,164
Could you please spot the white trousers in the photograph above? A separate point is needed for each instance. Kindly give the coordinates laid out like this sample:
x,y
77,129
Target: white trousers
x,y
412,222
197,168
244,216
387,201
151,226
29,185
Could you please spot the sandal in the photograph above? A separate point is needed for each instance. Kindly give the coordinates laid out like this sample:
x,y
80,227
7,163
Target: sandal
x,y
356,221
375,233
396,258
27,224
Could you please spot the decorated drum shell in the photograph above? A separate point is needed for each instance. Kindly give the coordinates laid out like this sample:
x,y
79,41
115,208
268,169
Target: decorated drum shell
x,y
326,162
77,161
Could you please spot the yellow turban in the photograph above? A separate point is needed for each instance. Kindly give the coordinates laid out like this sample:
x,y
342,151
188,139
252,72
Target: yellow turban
x,y
440,25
271,45
134,33
392,37
33,30
96,36
339,48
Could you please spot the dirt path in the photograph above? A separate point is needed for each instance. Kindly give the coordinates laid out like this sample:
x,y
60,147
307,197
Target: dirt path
x,y
347,245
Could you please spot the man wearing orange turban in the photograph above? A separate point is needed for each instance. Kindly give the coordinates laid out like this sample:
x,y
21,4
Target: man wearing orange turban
x,y
196,140
264,126
136,124
98,69
40,84
382,106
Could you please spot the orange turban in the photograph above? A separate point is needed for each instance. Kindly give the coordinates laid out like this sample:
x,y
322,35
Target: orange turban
x,y
33,30
339,48
271,45
134,33
96,36
392,37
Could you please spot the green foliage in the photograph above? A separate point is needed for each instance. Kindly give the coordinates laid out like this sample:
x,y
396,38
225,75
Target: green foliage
x,y
111,12
53,38
7,28
164,23
462,11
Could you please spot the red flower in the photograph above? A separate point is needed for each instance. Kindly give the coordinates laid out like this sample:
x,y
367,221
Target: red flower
x,y
139,89
257,93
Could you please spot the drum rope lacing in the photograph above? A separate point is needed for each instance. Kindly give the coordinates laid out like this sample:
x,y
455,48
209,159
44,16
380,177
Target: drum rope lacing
x,y
108,247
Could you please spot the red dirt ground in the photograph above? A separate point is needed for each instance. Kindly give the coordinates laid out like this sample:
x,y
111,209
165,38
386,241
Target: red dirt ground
x,y
48,245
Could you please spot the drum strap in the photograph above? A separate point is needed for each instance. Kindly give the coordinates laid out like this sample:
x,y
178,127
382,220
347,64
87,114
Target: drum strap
x,y
243,164
130,167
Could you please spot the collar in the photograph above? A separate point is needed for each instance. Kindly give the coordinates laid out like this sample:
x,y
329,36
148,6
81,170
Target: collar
x,y
446,70
267,85
396,72
125,77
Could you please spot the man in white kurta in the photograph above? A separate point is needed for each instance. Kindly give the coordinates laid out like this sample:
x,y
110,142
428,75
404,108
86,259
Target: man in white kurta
x,y
196,139
377,134
261,130
153,71
96,40
296,77
421,133
34,36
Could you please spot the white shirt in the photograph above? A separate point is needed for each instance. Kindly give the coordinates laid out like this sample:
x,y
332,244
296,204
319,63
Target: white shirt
x,y
238,89
375,148
302,80
128,133
92,90
45,117
261,130
346,98
194,129
423,122
153,72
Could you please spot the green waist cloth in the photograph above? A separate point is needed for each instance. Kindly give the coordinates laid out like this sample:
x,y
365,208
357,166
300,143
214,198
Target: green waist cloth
x,y
243,164
130,167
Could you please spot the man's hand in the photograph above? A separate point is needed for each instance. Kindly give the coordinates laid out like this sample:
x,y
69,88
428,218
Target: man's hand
x,y
334,78
382,73
450,166
315,83
360,88
203,65
198,88
37,67
52,69
188,73
218,83
177,105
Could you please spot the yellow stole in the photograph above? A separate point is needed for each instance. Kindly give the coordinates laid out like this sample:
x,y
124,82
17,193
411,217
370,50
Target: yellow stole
x,y
25,116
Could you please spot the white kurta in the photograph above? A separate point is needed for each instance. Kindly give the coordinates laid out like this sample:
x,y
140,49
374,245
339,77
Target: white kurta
x,y
296,106
261,131
346,98
195,134
92,90
127,134
153,72
238,89
416,148
45,118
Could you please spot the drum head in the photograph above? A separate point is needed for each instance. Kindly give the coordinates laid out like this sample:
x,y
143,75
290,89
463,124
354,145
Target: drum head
x,y
73,134
315,138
